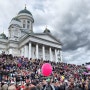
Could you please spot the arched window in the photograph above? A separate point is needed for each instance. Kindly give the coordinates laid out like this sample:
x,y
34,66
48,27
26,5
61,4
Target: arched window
x,y
28,24
24,23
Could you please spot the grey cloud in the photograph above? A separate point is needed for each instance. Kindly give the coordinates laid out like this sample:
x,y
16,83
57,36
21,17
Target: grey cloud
x,y
74,29
38,5
78,56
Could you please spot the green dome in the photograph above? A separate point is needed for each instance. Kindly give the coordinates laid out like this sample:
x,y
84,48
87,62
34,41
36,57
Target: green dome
x,y
25,11
3,36
46,31
16,18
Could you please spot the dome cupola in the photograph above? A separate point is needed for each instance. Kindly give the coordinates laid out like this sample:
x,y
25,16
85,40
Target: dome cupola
x,y
16,19
25,11
26,19
3,36
47,30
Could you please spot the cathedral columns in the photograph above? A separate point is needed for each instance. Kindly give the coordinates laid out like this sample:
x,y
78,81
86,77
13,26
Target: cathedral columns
x,y
21,51
31,50
10,51
30,45
37,51
26,50
50,53
43,52
60,55
56,55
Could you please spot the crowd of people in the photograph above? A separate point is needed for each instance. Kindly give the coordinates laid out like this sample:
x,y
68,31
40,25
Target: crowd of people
x,y
19,73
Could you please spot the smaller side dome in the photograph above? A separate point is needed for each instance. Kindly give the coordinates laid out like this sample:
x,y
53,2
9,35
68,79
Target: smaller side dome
x,y
3,36
16,19
47,31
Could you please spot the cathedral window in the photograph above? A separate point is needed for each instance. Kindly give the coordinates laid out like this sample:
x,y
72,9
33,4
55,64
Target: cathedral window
x,y
28,24
16,33
28,21
24,23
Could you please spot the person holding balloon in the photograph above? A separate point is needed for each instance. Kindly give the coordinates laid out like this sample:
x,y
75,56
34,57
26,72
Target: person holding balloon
x,y
47,71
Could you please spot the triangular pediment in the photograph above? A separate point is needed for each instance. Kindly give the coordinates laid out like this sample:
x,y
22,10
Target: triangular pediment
x,y
47,37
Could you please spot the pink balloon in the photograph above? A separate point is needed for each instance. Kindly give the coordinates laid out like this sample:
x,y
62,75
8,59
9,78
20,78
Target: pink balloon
x,y
46,69
84,73
88,67
88,73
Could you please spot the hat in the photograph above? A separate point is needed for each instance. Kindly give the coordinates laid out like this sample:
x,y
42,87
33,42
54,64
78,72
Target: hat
x,y
66,81
19,84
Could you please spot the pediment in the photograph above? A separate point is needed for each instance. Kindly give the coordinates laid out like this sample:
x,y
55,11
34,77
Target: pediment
x,y
47,37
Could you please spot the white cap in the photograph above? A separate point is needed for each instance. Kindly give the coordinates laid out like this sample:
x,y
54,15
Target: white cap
x,y
65,80
19,84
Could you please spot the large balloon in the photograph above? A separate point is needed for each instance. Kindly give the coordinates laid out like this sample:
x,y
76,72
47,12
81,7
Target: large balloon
x,y
84,73
46,69
88,73
88,67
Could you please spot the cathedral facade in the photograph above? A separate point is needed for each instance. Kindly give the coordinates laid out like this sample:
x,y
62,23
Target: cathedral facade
x,y
22,41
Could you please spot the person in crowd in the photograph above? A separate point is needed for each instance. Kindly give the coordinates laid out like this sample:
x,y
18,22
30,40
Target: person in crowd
x,y
49,85
12,87
5,86
27,86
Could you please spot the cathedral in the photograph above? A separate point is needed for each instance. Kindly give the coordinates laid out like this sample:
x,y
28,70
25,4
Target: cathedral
x,y
22,41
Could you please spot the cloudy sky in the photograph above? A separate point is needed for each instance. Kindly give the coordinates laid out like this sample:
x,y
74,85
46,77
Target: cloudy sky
x,y
67,19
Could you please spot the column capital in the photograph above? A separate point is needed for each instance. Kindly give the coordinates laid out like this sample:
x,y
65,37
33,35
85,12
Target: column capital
x,y
56,55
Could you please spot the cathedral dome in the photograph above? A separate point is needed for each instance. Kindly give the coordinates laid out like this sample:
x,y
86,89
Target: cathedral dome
x,y
16,19
3,36
25,11
47,31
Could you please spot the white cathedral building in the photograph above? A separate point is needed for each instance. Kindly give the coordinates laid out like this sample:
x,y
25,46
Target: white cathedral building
x,y
22,41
